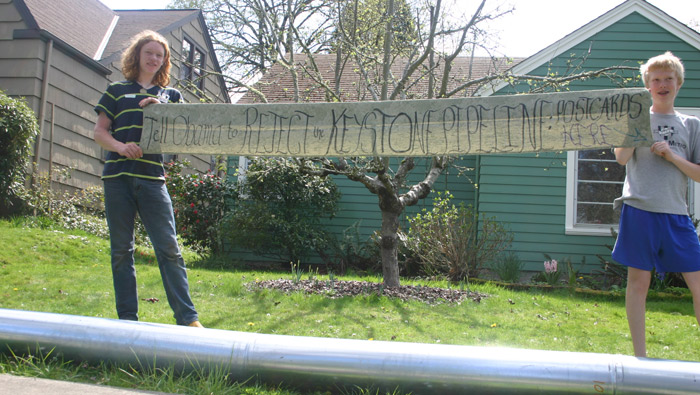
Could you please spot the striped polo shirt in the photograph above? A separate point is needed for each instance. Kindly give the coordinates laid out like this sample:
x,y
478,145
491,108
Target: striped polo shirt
x,y
121,105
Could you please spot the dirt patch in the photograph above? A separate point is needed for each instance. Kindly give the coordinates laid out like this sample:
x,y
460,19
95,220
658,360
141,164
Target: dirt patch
x,y
338,289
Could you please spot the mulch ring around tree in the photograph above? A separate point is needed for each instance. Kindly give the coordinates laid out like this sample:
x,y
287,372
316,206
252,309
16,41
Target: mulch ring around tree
x,y
337,289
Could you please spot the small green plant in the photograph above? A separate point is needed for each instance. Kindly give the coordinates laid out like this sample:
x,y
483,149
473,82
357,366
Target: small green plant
x,y
573,274
508,267
297,272
313,274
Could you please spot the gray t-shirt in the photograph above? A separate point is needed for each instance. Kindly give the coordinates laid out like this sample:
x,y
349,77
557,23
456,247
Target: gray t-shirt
x,y
654,184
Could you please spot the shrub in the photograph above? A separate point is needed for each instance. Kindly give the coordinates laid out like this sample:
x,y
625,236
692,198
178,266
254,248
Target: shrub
x,y
351,252
453,240
508,267
200,203
83,209
18,129
282,210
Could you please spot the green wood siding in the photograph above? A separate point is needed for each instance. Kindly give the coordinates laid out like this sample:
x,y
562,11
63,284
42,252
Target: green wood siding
x,y
528,192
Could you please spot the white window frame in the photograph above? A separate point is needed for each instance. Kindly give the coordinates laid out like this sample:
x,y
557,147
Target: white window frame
x,y
571,228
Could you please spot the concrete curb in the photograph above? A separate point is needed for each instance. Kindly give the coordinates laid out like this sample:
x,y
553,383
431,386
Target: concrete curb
x,y
11,384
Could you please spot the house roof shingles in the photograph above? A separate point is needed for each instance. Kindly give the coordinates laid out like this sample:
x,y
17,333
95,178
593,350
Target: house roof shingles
x,y
131,22
82,30
278,87
84,24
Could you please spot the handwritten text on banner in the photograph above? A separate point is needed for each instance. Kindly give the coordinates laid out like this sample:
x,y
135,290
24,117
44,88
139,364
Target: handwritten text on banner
x,y
484,125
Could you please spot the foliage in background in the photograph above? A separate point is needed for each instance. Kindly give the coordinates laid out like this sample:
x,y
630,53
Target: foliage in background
x,y
453,240
508,267
351,252
47,206
18,129
280,211
81,209
362,22
200,202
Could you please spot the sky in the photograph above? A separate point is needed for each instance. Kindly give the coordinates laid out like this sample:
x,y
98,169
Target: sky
x,y
534,24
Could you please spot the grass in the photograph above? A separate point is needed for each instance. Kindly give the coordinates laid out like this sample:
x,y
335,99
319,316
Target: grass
x,y
68,272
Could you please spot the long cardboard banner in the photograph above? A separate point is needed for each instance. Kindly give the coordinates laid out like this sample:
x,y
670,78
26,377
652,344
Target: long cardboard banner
x,y
481,125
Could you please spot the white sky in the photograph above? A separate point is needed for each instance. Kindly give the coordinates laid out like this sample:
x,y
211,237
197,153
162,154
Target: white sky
x,y
533,25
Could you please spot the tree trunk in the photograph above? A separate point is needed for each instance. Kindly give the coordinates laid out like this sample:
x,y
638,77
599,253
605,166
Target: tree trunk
x,y
391,209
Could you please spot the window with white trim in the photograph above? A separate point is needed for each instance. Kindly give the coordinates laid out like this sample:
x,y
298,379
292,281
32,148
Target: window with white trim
x,y
593,180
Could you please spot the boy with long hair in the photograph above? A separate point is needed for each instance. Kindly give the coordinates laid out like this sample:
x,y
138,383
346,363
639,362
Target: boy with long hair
x,y
134,182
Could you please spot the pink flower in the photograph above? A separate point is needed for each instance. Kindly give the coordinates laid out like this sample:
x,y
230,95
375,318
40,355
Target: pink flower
x,y
550,266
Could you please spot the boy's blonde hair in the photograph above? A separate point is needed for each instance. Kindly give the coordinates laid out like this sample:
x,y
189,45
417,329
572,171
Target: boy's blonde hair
x,y
131,57
666,61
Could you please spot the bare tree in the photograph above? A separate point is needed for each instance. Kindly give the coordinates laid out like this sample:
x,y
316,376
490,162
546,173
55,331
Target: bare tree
x,y
251,35
388,73
255,34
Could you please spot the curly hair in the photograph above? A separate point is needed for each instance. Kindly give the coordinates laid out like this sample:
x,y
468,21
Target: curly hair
x,y
667,61
131,58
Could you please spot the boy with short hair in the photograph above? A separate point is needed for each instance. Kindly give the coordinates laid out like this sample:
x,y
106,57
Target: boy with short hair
x,y
656,231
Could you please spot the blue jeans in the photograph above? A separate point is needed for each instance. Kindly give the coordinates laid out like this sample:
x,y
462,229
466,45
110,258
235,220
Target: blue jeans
x,y
124,197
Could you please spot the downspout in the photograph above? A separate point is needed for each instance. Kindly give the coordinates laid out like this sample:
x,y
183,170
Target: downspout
x,y
51,135
477,180
477,176
42,110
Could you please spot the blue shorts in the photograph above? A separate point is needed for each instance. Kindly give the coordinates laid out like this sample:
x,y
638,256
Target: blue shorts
x,y
665,242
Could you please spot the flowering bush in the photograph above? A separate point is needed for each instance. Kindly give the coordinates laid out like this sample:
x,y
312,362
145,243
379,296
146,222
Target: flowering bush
x,y
200,202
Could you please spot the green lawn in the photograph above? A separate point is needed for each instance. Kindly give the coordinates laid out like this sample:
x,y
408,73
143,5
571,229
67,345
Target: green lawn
x,y
68,272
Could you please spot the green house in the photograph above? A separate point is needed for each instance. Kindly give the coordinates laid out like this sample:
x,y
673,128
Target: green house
x,y
558,204
561,204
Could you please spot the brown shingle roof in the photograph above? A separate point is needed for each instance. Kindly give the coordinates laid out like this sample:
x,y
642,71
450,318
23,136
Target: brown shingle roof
x,y
277,84
132,22
81,24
